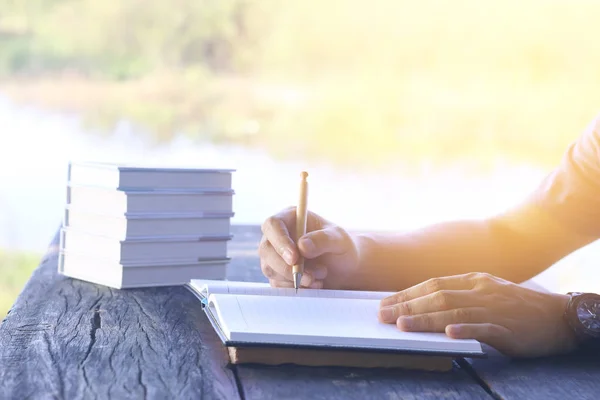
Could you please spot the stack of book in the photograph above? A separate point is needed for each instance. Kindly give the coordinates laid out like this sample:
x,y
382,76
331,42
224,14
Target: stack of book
x,y
137,226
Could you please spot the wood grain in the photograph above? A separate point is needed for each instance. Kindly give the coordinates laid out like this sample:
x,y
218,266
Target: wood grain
x,y
69,339
295,382
562,377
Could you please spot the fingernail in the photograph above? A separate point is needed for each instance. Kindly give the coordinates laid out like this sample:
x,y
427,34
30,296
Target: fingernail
x,y
316,285
387,314
388,301
405,323
287,257
320,273
307,245
306,279
453,330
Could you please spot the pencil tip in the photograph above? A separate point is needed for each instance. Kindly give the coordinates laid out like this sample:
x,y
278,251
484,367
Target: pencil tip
x,y
297,278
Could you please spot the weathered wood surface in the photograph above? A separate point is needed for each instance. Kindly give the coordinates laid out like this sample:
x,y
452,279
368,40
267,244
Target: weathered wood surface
x,y
70,339
294,382
563,377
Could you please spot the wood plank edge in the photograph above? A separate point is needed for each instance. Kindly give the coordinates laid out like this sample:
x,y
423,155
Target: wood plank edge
x,y
472,372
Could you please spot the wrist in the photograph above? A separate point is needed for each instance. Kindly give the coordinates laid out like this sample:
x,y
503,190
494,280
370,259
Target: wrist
x,y
376,263
361,276
569,336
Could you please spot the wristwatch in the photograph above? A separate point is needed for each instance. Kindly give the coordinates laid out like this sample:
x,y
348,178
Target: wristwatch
x,y
583,316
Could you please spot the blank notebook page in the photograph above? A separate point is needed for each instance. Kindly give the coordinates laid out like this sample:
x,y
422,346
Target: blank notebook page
x,y
321,321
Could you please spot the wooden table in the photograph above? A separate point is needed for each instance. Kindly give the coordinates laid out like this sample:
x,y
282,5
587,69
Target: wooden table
x,y
68,339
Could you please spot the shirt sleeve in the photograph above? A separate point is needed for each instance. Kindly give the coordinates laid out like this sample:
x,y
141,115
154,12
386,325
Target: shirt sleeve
x,y
571,192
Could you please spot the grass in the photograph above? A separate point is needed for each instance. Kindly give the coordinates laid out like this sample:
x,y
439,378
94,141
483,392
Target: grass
x,y
15,270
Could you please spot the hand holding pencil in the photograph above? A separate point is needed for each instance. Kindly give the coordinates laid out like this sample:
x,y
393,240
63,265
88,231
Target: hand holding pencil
x,y
300,249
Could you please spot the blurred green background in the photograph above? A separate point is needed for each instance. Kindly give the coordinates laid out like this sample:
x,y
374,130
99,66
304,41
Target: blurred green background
x,y
349,82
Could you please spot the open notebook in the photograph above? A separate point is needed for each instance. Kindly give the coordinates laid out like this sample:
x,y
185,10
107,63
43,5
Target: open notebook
x,y
251,314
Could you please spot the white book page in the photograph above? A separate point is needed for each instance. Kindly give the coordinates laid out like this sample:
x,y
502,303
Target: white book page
x,y
321,321
206,287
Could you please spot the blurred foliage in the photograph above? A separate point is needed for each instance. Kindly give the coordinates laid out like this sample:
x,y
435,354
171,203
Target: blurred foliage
x,y
15,270
347,81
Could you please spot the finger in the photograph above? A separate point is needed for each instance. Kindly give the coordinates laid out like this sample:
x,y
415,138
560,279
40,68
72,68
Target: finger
x,y
275,268
281,283
497,336
319,272
437,321
316,284
273,259
276,233
439,301
287,284
455,282
333,240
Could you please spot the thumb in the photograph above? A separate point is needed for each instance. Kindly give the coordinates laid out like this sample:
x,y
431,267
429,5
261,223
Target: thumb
x,y
494,335
333,240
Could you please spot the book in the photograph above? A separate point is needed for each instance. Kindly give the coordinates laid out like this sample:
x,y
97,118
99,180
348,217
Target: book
x,y
127,226
135,225
249,315
138,274
119,202
144,248
144,176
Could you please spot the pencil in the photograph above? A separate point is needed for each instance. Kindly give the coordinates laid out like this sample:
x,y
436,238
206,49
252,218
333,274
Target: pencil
x,y
301,216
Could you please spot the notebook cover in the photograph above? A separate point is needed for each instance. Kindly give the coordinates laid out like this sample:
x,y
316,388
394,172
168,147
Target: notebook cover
x,y
325,358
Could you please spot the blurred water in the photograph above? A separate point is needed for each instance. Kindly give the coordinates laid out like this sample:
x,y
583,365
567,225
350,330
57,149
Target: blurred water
x,y
36,145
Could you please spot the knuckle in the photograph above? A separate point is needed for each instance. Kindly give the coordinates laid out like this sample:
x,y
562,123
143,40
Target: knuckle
x,y
268,223
287,270
423,322
338,231
268,271
318,222
463,314
472,276
485,277
405,308
433,285
263,246
398,297
442,300
343,234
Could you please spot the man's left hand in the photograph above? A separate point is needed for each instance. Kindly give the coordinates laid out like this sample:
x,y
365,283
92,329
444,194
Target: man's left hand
x,y
515,320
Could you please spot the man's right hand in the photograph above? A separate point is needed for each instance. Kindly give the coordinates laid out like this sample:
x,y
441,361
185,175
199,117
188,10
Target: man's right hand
x,y
330,254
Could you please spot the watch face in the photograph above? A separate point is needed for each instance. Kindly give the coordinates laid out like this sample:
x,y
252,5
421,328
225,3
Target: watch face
x,y
588,312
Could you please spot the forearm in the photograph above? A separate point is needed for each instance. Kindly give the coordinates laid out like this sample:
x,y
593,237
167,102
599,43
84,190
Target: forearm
x,y
394,261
